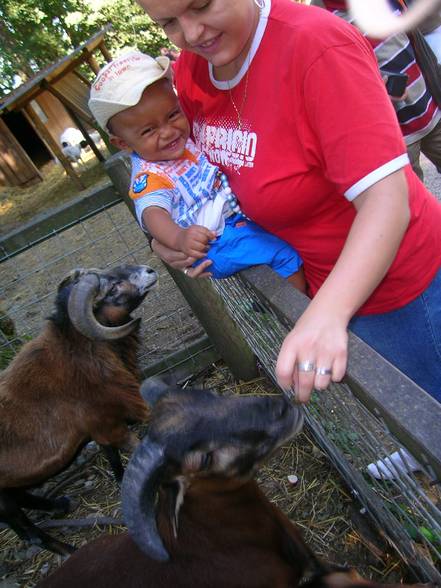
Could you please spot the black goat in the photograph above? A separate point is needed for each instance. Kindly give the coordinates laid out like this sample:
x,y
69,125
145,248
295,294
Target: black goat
x,y
195,516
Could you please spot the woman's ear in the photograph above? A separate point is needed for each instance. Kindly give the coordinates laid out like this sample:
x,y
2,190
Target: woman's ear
x,y
119,142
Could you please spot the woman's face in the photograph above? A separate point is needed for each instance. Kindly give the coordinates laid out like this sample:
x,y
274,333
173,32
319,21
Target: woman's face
x,y
221,31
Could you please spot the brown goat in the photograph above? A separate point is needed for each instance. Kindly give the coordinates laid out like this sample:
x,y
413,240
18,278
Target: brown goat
x,y
195,516
77,381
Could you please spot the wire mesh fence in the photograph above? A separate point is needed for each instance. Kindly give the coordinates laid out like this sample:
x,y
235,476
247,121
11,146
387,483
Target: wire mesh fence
x,y
108,237
406,507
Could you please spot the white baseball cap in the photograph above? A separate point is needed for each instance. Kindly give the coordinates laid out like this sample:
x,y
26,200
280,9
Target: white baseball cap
x,y
120,83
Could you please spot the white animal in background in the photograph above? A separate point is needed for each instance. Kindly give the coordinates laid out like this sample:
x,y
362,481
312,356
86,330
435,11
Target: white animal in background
x,y
72,142
72,153
72,136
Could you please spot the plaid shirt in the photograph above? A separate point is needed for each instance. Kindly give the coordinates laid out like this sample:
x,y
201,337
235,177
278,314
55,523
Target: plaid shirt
x,y
182,187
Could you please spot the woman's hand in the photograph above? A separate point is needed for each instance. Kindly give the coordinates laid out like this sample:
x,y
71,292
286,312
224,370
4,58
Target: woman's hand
x,y
313,354
182,261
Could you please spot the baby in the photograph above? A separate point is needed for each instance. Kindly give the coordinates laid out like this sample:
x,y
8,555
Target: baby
x,y
181,199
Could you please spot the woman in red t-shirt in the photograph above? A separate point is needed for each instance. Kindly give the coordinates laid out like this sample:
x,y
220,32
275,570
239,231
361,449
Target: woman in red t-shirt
x,y
288,101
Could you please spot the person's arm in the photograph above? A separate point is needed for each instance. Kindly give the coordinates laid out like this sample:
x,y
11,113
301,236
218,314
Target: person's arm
x,y
192,241
320,335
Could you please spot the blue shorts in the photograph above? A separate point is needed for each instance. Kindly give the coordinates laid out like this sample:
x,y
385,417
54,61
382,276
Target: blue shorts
x,y
244,244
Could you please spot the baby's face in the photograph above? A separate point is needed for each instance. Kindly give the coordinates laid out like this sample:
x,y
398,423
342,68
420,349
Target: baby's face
x,y
156,128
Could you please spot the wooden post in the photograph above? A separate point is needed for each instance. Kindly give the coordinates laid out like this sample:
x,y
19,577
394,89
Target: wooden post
x,y
105,52
200,294
86,135
80,76
47,137
92,63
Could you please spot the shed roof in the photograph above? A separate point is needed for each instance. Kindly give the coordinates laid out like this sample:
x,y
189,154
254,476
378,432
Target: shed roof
x,y
32,87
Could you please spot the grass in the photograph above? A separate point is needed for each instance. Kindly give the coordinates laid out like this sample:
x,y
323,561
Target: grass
x,y
18,205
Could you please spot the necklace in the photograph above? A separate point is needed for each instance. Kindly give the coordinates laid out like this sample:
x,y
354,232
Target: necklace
x,y
228,192
244,97
259,4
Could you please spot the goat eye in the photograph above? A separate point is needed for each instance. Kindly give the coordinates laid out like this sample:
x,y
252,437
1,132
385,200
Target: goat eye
x,y
114,289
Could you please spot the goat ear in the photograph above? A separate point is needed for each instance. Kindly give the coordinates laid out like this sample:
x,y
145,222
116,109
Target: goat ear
x,y
71,277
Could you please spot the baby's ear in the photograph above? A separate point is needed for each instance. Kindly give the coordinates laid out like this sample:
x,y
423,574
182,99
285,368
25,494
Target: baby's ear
x,y
119,143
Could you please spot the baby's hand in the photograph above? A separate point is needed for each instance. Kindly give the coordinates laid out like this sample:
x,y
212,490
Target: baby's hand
x,y
194,241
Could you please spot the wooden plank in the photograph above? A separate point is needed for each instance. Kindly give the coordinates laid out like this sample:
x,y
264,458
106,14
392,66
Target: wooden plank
x,y
16,165
73,93
411,414
37,89
58,119
53,145
86,135
67,215
77,115
92,63
188,361
105,52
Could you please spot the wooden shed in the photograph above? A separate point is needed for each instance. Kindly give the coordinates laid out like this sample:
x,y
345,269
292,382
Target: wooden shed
x,y
33,116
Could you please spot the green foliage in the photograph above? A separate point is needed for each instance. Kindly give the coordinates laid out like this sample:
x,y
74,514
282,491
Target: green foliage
x,y
131,27
35,33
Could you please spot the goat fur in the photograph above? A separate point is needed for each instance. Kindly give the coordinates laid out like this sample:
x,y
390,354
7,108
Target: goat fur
x,y
61,391
64,389
228,536
218,529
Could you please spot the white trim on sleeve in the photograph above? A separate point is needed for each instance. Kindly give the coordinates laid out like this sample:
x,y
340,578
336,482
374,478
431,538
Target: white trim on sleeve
x,y
375,176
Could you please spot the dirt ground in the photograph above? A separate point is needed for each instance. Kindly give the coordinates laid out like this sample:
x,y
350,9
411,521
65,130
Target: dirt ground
x,y
19,205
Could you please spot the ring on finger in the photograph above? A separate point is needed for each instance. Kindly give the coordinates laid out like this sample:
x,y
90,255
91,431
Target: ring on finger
x,y
306,366
186,270
322,371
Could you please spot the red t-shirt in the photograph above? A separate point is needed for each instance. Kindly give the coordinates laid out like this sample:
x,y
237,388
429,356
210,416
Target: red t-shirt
x,y
317,130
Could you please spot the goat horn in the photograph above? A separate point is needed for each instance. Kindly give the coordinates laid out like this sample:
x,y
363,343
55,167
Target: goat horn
x,y
376,18
80,310
140,486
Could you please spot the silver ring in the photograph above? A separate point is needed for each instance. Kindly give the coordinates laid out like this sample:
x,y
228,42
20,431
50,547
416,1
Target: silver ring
x,y
321,371
186,270
306,366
